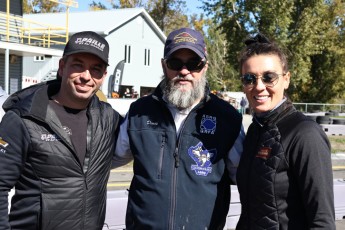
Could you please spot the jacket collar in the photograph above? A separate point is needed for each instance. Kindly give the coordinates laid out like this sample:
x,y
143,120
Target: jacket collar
x,y
273,116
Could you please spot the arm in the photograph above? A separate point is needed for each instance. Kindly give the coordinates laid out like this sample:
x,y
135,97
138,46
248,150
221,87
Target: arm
x,y
13,148
122,154
312,167
234,156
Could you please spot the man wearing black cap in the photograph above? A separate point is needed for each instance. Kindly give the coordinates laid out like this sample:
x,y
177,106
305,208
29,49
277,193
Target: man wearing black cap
x,y
56,145
185,142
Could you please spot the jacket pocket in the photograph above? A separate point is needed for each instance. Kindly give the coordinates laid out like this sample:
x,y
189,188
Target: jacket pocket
x,y
161,156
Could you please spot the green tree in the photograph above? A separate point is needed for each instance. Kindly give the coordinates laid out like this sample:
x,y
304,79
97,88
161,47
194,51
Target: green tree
x,y
220,74
312,33
116,4
94,6
40,6
168,14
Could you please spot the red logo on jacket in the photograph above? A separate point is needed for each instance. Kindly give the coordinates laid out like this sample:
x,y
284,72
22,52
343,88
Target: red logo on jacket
x,y
264,153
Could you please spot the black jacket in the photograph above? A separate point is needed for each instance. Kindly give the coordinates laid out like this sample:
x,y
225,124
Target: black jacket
x,y
180,182
52,190
285,174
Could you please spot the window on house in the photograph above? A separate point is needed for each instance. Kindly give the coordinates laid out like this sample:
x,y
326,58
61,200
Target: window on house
x,y
147,57
39,58
127,54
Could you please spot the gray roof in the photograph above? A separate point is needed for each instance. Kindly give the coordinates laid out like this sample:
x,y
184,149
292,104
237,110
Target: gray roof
x,y
101,21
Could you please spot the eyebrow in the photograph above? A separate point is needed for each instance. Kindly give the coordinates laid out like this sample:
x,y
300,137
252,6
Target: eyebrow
x,y
76,59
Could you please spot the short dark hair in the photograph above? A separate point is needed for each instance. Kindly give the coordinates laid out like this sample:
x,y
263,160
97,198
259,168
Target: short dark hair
x,y
261,45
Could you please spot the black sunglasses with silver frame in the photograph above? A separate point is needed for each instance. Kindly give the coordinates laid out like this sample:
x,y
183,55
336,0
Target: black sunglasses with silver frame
x,y
195,64
269,79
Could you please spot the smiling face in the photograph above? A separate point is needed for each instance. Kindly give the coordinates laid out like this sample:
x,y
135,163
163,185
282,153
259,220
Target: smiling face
x,y
263,98
183,87
81,76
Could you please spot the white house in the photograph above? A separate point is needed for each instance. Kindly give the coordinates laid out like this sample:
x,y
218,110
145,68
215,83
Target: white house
x,y
133,36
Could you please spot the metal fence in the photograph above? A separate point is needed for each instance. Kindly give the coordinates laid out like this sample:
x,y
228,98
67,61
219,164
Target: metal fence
x,y
319,107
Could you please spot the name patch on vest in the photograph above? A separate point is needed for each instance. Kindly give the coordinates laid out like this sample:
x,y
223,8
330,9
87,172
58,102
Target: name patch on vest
x,y
208,124
203,159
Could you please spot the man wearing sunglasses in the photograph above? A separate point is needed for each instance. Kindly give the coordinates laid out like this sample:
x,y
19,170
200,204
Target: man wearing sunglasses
x,y
185,142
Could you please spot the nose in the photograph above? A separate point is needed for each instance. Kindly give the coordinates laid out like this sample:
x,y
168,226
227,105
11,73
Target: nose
x,y
184,70
259,84
85,74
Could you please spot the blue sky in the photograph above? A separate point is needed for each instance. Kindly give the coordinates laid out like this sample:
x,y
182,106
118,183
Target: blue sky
x,y
84,5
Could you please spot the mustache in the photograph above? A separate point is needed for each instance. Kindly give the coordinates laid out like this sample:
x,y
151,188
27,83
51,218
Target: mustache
x,y
181,77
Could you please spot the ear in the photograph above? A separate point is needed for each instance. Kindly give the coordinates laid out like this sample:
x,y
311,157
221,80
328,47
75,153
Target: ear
x,y
61,66
206,66
163,63
287,80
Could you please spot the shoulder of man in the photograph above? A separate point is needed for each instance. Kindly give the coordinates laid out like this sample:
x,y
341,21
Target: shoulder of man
x,y
223,107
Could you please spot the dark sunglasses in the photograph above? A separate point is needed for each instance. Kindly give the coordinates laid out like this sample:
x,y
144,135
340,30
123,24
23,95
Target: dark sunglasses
x,y
269,79
176,64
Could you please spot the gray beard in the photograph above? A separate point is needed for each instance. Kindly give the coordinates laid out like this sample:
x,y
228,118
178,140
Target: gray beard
x,y
184,99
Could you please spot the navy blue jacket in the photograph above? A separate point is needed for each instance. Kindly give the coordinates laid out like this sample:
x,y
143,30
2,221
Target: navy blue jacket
x,y
180,182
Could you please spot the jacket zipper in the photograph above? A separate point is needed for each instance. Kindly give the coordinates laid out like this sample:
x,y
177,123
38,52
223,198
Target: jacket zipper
x,y
174,178
173,191
161,153
88,141
177,159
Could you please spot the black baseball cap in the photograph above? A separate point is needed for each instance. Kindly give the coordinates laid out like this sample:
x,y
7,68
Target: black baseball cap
x,y
185,38
88,42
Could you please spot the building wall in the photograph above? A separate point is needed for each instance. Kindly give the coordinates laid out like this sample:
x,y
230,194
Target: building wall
x,y
39,69
137,35
15,6
14,24
15,65
15,73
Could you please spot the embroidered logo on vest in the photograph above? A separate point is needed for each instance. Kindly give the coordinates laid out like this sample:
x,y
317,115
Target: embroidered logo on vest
x,y
202,158
49,137
208,124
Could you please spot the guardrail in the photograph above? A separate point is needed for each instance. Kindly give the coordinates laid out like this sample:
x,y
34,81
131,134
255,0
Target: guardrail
x,y
319,107
24,31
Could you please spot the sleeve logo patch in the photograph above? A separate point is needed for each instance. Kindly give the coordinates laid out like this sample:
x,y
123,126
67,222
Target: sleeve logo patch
x,y
3,143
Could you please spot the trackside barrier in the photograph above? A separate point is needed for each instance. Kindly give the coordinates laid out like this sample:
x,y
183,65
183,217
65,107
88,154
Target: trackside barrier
x,y
334,130
339,198
116,210
117,204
